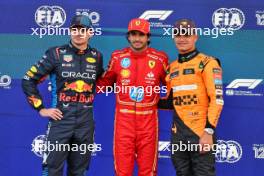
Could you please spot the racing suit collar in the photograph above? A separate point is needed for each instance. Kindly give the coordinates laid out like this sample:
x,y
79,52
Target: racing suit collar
x,y
77,50
188,56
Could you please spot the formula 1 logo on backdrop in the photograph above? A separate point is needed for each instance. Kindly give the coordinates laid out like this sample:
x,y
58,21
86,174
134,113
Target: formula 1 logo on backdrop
x,y
5,81
249,83
93,15
50,16
153,15
228,18
228,151
258,151
260,17
164,149
248,86
158,14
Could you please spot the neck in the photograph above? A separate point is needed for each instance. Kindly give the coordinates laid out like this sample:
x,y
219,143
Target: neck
x,y
81,46
186,51
188,55
140,50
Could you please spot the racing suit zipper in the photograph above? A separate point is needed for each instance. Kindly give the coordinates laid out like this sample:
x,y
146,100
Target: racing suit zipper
x,y
136,85
80,70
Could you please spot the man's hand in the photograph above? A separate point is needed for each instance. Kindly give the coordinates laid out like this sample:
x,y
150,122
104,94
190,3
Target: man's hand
x,y
53,113
206,142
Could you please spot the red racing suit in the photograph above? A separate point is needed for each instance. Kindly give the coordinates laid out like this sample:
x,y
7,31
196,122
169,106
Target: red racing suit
x,y
138,77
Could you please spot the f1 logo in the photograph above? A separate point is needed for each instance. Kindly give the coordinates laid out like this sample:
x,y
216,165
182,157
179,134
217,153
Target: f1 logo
x,y
159,14
164,146
260,19
249,83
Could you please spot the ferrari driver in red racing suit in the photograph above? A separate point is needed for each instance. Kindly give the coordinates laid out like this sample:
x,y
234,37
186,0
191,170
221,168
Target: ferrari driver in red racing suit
x,y
140,69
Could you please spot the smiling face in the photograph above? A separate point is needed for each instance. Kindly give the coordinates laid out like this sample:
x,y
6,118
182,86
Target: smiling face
x,y
185,43
138,40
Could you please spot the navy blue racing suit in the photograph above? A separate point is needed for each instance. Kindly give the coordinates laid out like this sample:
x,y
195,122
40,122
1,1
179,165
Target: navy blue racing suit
x,y
73,75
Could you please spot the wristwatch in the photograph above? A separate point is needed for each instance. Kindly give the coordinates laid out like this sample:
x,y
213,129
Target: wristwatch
x,y
209,131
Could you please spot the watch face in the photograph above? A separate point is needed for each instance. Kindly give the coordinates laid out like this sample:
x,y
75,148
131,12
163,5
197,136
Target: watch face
x,y
209,130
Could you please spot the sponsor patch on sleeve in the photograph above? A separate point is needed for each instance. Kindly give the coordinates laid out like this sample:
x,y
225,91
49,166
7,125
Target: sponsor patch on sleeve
x,y
174,74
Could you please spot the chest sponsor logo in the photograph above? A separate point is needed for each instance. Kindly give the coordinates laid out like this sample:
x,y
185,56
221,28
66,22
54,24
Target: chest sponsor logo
x,y
188,71
125,73
81,98
78,75
90,68
67,58
67,65
151,64
125,63
125,81
185,100
91,60
185,87
79,86
150,76
136,94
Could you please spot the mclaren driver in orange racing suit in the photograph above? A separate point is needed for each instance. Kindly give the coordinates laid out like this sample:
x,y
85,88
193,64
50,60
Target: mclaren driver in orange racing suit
x,y
194,82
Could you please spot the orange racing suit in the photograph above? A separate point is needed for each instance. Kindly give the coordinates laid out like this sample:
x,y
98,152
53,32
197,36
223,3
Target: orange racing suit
x,y
196,95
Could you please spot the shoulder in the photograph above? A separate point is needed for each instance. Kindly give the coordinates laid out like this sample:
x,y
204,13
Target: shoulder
x,y
95,52
117,54
206,59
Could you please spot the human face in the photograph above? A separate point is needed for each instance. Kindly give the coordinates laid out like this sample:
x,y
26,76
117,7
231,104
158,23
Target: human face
x,y
138,40
185,43
80,35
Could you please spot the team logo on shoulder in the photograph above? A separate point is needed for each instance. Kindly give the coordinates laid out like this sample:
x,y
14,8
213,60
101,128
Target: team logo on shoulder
x,y
93,53
125,73
90,60
125,63
67,58
151,64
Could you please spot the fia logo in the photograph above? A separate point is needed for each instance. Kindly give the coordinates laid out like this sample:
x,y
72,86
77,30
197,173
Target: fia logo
x,y
228,151
50,16
228,18
39,145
